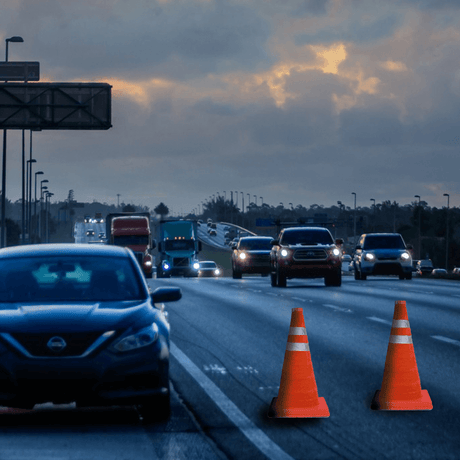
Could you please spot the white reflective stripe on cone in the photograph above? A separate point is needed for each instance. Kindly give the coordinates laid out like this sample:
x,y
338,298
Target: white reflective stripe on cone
x,y
400,339
297,331
400,323
297,346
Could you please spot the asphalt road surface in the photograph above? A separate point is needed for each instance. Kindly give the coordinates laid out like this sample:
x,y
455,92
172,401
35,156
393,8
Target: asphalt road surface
x,y
228,339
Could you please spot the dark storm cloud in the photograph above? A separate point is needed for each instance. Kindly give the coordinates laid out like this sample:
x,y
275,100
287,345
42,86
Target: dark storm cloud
x,y
355,30
311,7
371,126
145,39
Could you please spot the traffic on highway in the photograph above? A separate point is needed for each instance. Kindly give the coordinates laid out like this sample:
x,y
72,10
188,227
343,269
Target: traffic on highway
x,y
95,342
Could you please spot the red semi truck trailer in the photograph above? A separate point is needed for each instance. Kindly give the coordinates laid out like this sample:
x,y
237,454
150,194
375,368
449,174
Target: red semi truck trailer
x,y
134,233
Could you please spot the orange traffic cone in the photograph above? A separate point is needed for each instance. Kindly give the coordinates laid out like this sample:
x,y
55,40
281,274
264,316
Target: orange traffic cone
x,y
401,388
298,394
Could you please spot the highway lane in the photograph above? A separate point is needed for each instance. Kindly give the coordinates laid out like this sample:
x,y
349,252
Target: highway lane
x,y
235,332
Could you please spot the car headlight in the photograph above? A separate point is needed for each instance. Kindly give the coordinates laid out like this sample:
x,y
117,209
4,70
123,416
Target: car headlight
x,y
142,338
335,252
284,252
242,256
148,263
405,256
217,271
196,266
369,257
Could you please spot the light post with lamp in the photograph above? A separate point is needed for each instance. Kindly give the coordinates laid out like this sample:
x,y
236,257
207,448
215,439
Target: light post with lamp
x,y
35,202
354,221
447,231
373,215
419,228
29,197
14,39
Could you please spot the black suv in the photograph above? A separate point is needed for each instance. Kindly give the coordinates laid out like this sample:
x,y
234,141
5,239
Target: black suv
x,y
306,252
251,255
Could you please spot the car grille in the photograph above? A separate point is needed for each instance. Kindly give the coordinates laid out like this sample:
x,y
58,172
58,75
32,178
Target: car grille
x,y
310,254
259,260
387,258
77,343
180,262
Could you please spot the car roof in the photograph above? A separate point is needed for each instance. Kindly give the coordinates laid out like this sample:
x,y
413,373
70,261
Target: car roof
x,y
293,229
255,237
63,249
381,234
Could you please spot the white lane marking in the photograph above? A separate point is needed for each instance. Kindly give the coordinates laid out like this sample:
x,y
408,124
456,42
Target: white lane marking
x,y
273,294
270,449
215,369
455,295
247,369
335,307
446,339
255,290
379,320
298,298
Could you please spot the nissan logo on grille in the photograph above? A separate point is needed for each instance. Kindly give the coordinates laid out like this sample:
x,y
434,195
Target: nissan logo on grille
x,y
56,344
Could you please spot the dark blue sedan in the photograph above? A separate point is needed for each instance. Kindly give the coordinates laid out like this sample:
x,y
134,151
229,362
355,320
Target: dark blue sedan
x,y
78,323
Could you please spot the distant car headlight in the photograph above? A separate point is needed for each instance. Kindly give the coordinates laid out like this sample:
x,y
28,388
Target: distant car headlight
x,y
242,256
369,257
284,252
405,256
196,266
142,338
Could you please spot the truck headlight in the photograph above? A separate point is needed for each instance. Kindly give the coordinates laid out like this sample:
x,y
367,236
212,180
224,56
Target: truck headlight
x,y
335,252
196,266
242,256
142,338
284,252
369,257
217,271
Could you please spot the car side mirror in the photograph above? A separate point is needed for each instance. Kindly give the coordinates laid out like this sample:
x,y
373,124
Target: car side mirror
x,y
339,241
166,294
410,247
274,242
358,246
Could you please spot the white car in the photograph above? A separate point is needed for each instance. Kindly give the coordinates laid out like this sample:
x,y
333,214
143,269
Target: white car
x,y
382,254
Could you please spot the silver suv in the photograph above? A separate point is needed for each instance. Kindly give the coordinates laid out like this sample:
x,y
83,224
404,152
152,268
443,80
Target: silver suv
x,y
382,254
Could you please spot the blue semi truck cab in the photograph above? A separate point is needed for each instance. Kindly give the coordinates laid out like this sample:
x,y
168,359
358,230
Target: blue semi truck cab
x,y
178,248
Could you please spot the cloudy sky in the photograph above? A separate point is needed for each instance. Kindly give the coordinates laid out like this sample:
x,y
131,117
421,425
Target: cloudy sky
x,y
299,101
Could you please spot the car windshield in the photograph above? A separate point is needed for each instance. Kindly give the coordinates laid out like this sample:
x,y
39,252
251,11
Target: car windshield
x,y
256,245
383,242
131,240
76,278
307,237
208,265
179,245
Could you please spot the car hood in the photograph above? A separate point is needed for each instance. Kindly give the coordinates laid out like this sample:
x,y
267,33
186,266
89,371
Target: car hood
x,y
386,252
259,251
187,253
71,317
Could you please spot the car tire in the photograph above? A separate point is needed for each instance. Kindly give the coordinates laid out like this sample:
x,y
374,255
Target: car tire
x,y
363,277
357,277
409,276
273,279
236,274
156,409
334,279
280,278
149,275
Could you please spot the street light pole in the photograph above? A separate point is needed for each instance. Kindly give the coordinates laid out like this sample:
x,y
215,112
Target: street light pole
x,y
354,221
447,232
14,39
29,198
35,203
419,229
23,189
373,215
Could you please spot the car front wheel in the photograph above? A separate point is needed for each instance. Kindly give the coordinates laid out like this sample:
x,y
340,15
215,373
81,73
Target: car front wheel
x,y
156,409
280,278
273,279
